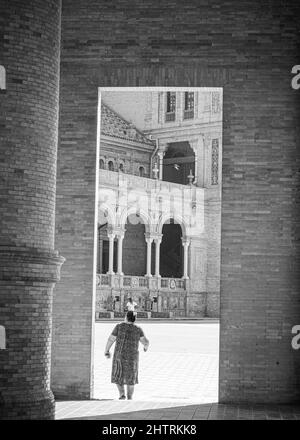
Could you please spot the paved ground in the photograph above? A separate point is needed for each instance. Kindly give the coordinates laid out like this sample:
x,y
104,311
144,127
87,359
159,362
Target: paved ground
x,y
137,410
180,368
181,364
178,380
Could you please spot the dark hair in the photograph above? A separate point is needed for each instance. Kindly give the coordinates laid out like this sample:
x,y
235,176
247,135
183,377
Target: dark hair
x,y
130,316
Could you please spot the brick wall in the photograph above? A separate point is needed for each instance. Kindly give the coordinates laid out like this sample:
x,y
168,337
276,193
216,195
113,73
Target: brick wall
x,y
249,49
29,266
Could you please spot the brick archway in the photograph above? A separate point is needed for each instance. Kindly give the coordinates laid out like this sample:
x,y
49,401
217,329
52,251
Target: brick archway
x,y
254,152
259,264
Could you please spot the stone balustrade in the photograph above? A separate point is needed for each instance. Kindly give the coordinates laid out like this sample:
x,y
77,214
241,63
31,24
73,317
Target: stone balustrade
x,y
151,197
117,179
139,282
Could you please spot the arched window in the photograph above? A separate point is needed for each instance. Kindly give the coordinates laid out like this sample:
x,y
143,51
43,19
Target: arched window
x,y
142,171
111,165
121,167
102,165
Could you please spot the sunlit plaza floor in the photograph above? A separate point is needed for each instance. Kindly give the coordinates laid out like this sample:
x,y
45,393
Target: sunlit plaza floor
x,y
181,363
180,367
178,380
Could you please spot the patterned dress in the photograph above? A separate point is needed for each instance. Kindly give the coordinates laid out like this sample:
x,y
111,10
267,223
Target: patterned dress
x,y
125,363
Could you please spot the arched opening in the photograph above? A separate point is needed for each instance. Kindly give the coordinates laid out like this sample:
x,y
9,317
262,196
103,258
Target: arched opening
x,y
141,171
103,245
171,251
102,165
103,250
134,247
180,294
111,166
121,167
178,163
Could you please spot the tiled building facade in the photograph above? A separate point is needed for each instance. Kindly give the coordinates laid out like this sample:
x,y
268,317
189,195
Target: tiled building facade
x,y
160,202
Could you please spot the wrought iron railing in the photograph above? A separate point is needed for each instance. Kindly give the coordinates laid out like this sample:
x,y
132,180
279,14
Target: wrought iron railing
x,y
170,116
188,114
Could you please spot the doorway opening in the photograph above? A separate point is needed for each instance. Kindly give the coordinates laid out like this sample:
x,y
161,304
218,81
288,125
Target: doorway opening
x,y
134,247
160,179
179,163
103,250
171,252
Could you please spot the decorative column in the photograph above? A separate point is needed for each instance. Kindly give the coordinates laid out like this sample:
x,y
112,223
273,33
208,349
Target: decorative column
x,y
149,246
157,255
120,253
161,156
111,237
185,243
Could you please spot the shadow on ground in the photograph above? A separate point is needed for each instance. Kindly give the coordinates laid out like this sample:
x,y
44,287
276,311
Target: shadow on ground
x,y
211,411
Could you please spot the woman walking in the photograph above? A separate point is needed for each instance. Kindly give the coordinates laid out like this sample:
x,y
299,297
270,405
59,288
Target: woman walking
x,y
125,363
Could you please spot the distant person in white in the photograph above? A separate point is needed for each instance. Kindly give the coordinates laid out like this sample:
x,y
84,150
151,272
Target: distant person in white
x,y
131,305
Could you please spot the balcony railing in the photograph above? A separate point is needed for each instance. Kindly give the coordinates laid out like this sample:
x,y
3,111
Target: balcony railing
x,y
114,179
138,282
117,190
170,116
135,282
103,280
172,283
188,114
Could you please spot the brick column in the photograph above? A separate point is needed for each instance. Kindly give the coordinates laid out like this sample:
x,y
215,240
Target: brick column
x,y
29,265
